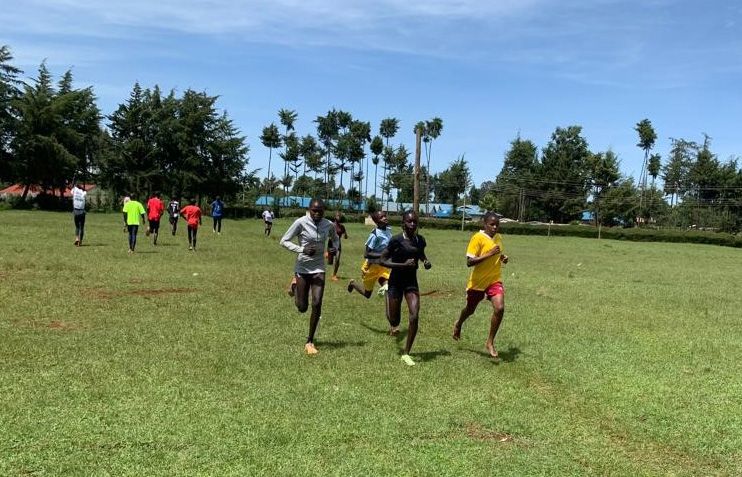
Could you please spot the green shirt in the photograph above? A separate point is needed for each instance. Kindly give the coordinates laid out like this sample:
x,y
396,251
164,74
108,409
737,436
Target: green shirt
x,y
133,210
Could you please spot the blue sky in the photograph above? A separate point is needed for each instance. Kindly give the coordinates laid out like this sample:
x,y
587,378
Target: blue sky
x,y
490,70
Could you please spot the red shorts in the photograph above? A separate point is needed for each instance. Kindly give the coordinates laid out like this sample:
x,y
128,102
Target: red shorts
x,y
475,296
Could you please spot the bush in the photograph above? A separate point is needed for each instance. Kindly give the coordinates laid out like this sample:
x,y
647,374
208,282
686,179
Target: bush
x,y
584,231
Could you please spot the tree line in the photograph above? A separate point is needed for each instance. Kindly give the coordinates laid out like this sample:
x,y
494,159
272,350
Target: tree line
x,y
52,133
566,179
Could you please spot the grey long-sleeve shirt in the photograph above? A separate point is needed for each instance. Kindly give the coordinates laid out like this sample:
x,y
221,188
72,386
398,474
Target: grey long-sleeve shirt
x,y
310,233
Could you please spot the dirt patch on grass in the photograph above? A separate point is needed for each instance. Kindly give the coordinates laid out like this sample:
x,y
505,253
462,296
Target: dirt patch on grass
x,y
477,432
58,325
103,294
437,294
61,325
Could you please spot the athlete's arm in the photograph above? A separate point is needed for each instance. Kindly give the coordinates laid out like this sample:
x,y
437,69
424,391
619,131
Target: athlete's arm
x,y
286,241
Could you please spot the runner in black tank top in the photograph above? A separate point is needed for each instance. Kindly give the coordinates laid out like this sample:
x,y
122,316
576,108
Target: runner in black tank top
x,y
402,255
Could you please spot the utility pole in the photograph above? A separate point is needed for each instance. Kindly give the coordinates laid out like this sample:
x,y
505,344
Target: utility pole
x,y
416,174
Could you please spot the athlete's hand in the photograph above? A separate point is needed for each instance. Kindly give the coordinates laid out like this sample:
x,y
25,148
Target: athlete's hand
x,y
309,250
411,262
427,265
496,250
504,259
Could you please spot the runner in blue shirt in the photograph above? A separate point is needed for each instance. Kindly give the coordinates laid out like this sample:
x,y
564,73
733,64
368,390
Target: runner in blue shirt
x,y
217,211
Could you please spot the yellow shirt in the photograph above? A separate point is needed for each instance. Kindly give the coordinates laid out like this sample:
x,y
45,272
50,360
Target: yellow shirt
x,y
487,272
133,210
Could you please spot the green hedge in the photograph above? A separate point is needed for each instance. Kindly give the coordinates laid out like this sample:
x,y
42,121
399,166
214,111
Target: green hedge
x,y
586,231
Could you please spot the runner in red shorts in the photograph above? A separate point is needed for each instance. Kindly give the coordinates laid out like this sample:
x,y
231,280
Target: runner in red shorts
x,y
485,254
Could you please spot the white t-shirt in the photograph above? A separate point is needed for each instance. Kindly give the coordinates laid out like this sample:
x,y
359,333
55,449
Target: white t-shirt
x,y
78,198
267,216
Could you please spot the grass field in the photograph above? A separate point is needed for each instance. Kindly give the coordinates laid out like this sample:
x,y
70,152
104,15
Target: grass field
x,y
619,358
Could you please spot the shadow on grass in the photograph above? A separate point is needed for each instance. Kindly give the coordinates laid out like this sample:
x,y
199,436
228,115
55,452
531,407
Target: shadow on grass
x,y
429,355
339,344
85,245
398,338
507,356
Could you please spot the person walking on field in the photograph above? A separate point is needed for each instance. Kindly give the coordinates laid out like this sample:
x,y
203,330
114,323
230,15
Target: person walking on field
x,y
155,209
173,210
217,212
402,256
134,214
268,220
485,254
371,271
78,213
192,214
313,232
335,257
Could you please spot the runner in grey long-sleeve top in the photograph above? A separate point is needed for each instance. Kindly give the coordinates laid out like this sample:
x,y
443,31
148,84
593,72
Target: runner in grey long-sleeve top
x,y
313,232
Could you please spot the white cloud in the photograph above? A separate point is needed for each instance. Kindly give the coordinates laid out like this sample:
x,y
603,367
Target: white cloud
x,y
596,41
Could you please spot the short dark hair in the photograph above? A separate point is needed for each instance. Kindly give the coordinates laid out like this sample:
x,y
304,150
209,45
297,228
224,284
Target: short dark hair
x,y
490,215
317,201
409,213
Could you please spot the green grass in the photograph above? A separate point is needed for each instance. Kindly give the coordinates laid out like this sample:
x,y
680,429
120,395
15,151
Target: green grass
x,y
619,358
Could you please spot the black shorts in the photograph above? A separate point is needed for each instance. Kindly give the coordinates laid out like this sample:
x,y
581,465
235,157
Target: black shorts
x,y
173,219
154,226
268,224
398,290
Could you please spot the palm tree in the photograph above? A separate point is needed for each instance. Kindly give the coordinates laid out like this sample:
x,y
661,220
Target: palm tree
x,y
287,118
433,129
387,129
327,133
377,147
290,154
307,150
647,137
360,132
270,138
653,167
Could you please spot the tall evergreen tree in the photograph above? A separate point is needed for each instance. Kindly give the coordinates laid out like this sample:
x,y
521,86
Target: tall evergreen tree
x,y
517,177
564,175
56,132
9,92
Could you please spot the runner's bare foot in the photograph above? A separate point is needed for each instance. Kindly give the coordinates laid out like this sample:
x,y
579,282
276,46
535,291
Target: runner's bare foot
x,y
491,350
310,349
334,278
394,331
456,330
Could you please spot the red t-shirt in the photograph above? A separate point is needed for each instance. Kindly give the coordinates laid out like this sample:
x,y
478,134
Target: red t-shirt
x,y
192,214
155,208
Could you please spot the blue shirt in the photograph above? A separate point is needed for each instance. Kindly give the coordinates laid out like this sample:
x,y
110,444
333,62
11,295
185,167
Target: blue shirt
x,y
378,239
217,208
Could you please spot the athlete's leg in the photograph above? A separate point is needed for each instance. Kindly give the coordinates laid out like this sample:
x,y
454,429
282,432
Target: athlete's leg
x,y
318,289
413,305
301,293
498,305
473,297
